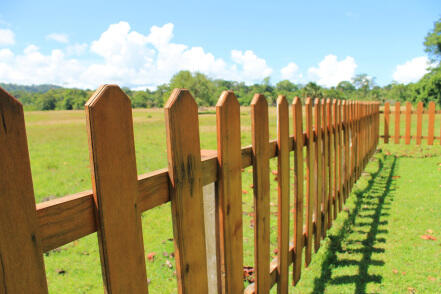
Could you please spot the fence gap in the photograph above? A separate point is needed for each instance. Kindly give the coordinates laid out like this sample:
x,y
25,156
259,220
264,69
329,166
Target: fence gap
x,y
408,122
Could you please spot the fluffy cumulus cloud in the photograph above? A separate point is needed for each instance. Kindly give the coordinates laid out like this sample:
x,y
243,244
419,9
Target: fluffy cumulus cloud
x,y
412,70
331,71
61,38
6,37
128,58
291,72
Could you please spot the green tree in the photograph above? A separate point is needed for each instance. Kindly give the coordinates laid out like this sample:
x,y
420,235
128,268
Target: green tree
x,y
432,42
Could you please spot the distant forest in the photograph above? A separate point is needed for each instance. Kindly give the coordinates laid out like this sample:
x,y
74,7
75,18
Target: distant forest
x,y
206,91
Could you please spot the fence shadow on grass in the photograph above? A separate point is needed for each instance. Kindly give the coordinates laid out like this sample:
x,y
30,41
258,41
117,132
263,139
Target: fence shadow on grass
x,y
354,245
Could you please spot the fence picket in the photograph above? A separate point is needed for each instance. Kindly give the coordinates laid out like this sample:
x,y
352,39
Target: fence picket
x,y
386,121
340,155
283,193
310,179
260,138
318,172
397,123
408,121
21,257
325,168
431,125
330,161
114,182
335,162
184,165
298,188
419,123
229,191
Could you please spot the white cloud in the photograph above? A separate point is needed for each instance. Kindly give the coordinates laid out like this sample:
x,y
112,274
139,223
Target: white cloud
x,y
412,70
6,37
253,67
61,38
330,71
76,49
291,72
128,58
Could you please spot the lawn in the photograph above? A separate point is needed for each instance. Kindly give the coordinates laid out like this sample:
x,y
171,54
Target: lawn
x,y
374,247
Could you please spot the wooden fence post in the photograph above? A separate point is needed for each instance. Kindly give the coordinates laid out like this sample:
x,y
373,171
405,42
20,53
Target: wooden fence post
x,y
115,190
325,168
431,125
408,122
21,257
298,188
340,156
310,179
260,138
283,193
229,191
386,122
330,161
419,123
397,122
184,166
336,157
319,175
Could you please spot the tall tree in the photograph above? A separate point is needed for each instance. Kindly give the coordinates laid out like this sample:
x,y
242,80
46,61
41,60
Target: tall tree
x,y
432,42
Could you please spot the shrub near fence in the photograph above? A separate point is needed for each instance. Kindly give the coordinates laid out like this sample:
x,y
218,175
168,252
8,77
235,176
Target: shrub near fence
x,y
408,112
339,137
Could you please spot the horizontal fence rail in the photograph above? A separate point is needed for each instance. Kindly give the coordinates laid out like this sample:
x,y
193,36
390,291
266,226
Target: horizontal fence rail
x,y
339,138
407,113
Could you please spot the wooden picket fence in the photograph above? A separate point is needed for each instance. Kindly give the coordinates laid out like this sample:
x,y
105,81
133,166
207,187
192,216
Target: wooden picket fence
x,y
408,112
339,137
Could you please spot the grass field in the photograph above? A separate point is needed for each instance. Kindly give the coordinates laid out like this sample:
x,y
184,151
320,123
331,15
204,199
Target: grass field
x,y
374,247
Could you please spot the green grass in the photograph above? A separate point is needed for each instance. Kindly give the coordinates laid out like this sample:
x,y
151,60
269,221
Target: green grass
x,y
380,233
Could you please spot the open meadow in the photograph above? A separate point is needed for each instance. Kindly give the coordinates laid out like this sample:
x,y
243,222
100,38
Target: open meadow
x,y
375,246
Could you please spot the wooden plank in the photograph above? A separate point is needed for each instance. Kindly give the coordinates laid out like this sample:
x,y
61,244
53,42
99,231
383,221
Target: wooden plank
x,y
72,217
325,168
260,135
345,149
319,175
386,121
184,165
298,188
114,182
419,130
310,180
397,123
330,161
336,157
431,126
340,155
283,194
408,122
21,256
229,192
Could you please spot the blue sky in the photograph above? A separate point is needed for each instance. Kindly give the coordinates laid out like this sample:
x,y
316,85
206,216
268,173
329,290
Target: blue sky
x,y
142,44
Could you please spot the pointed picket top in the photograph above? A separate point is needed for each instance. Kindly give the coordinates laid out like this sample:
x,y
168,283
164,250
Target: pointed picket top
x,y
107,94
281,99
178,97
227,98
259,101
